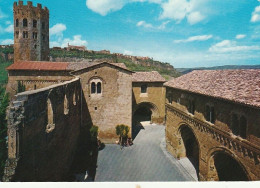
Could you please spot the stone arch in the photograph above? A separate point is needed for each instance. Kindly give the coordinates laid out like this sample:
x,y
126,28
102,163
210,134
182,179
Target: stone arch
x,y
149,107
188,145
223,165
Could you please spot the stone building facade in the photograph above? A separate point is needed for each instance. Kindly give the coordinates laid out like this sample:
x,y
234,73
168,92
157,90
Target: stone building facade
x,y
31,32
149,96
212,117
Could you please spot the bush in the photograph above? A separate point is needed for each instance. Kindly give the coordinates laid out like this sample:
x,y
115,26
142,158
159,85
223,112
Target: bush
x,y
94,133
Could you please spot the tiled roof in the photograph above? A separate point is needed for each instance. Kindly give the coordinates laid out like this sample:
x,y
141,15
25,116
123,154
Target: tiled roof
x,y
152,76
56,66
241,86
39,65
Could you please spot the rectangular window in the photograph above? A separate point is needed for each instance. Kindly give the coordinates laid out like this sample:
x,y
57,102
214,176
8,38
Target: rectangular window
x,y
34,23
43,25
25,34
43,37
17,34
34,35
144,88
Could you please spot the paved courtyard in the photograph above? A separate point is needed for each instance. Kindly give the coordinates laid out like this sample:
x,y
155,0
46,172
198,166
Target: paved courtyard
x,y
146,160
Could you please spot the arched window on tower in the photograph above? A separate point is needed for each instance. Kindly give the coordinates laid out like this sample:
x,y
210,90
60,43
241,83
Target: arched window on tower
x,y
25,22
34,23
243,127
98,87
17,23
93,87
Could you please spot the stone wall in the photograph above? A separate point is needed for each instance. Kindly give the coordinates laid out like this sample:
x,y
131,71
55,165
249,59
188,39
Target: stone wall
x,y
212,138
34,79
113,106
43,132
154,99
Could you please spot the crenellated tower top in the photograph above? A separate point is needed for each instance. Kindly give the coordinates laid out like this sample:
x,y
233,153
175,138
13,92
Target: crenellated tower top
x,y
31,32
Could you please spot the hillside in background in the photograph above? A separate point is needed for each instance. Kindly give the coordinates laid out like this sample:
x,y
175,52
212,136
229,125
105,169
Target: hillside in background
x,y
133,63
224,67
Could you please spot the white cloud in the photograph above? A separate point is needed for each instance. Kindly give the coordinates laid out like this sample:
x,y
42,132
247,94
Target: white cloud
x,y
181,9
9,29
256,15
7,41
144,24
57,29
104,7
8,22
240,36
148,25
76,40
231,46
195,17
194,38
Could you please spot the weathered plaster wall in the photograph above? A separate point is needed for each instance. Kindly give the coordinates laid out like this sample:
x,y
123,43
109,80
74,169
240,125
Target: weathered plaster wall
x,y
155,95
42,143
113,106
213,138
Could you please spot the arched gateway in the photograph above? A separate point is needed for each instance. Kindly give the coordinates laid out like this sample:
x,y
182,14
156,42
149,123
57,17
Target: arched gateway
x,y
224,167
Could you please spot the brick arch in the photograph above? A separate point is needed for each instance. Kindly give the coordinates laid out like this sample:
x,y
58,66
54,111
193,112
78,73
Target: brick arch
x,y
188,145
212,171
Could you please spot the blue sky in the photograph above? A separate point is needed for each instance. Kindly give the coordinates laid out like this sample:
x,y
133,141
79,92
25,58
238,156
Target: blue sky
x,y
185,33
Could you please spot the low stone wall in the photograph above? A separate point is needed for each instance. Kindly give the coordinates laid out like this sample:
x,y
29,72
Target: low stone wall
x,y
43,132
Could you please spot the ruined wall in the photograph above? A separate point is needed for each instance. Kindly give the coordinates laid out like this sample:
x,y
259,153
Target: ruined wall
x,y
31,37
113,105
155,95
34,79
43,132
213,138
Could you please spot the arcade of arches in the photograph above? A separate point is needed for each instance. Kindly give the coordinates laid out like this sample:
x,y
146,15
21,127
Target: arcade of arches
x,y
212,161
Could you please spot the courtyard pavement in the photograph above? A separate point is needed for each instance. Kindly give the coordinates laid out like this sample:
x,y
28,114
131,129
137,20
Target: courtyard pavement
x,y
146,160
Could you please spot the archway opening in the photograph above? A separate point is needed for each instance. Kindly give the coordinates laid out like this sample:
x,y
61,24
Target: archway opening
x,y
228,169
142,115
190,148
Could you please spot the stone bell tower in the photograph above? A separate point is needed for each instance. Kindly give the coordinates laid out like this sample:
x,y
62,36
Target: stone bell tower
x,y
31,32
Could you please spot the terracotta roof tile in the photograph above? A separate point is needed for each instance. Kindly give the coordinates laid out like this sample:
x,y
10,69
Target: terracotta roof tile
x,y
152,76
39,65
241,86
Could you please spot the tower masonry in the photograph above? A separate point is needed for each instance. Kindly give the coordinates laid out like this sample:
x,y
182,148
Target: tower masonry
x,y
31,32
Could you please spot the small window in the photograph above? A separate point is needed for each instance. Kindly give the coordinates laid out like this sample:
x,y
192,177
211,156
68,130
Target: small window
x,y
25,22
191,107
144,88
34,87
25,34
243,127
17,34
234,124
34,23
35,35
95,108
98,87
43,37
17,23
93,87
207,113
43,25
212,115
